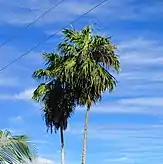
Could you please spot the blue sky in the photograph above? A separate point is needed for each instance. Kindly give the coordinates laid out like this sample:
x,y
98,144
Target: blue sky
x,y
126,127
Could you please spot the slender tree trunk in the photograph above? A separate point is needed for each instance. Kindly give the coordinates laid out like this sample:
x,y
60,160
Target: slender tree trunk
x,y
85,137
62,146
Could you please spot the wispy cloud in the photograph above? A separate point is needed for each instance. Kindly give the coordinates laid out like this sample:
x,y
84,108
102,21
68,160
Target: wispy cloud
x,y
125,125
141,51
17,119
25,95
125,143
41,160
25,12
41,141
132,10
141,76
118,160
143,105
147,101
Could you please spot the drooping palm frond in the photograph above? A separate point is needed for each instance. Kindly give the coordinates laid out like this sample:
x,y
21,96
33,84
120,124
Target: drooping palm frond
x,y
85,62
59,106
40,92
59,103
91,58
56,96
51,61
15,149
88,68
78,76
103,52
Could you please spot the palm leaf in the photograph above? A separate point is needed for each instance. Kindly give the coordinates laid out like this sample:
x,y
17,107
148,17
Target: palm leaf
x,y
59,103
15,149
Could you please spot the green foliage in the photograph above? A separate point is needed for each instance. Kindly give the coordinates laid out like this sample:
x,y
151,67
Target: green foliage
x,y
15,149
90,60
78,76
59,103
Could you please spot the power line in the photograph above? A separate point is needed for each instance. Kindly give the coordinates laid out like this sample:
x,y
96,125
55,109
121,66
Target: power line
x,y
33,22
34,47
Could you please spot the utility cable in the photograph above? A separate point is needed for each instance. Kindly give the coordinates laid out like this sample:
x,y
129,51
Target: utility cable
x,y
34,47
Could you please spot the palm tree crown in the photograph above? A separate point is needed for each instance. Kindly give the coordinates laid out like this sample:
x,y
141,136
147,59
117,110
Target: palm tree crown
x,y
90,58
58,102
56,95
78,74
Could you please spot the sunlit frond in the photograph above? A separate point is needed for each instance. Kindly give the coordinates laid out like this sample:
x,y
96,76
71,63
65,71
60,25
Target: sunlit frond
x,y
40,91
91,58
15,149
83,69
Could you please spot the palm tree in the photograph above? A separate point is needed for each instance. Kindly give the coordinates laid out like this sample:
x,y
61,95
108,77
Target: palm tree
x,y
15,149
85,63
90,61
57,98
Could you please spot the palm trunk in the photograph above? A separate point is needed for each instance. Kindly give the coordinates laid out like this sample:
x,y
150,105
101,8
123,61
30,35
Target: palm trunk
x,y
62,146
85,138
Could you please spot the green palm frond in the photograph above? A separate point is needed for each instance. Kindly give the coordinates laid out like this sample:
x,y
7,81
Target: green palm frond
x,y
39,92
15,149
91,57
83,70
59,103
59,106
42,74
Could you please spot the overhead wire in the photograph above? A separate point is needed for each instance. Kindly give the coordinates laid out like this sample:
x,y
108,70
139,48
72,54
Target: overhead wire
x,y
49,37
32,23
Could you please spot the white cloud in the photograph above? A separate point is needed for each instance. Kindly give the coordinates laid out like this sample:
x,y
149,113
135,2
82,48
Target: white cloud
x,y
135,137
143,105
151,76
33,9
144,101
26,11
141,62
136,43
41,160
25,95
123,143
140,51
131,10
